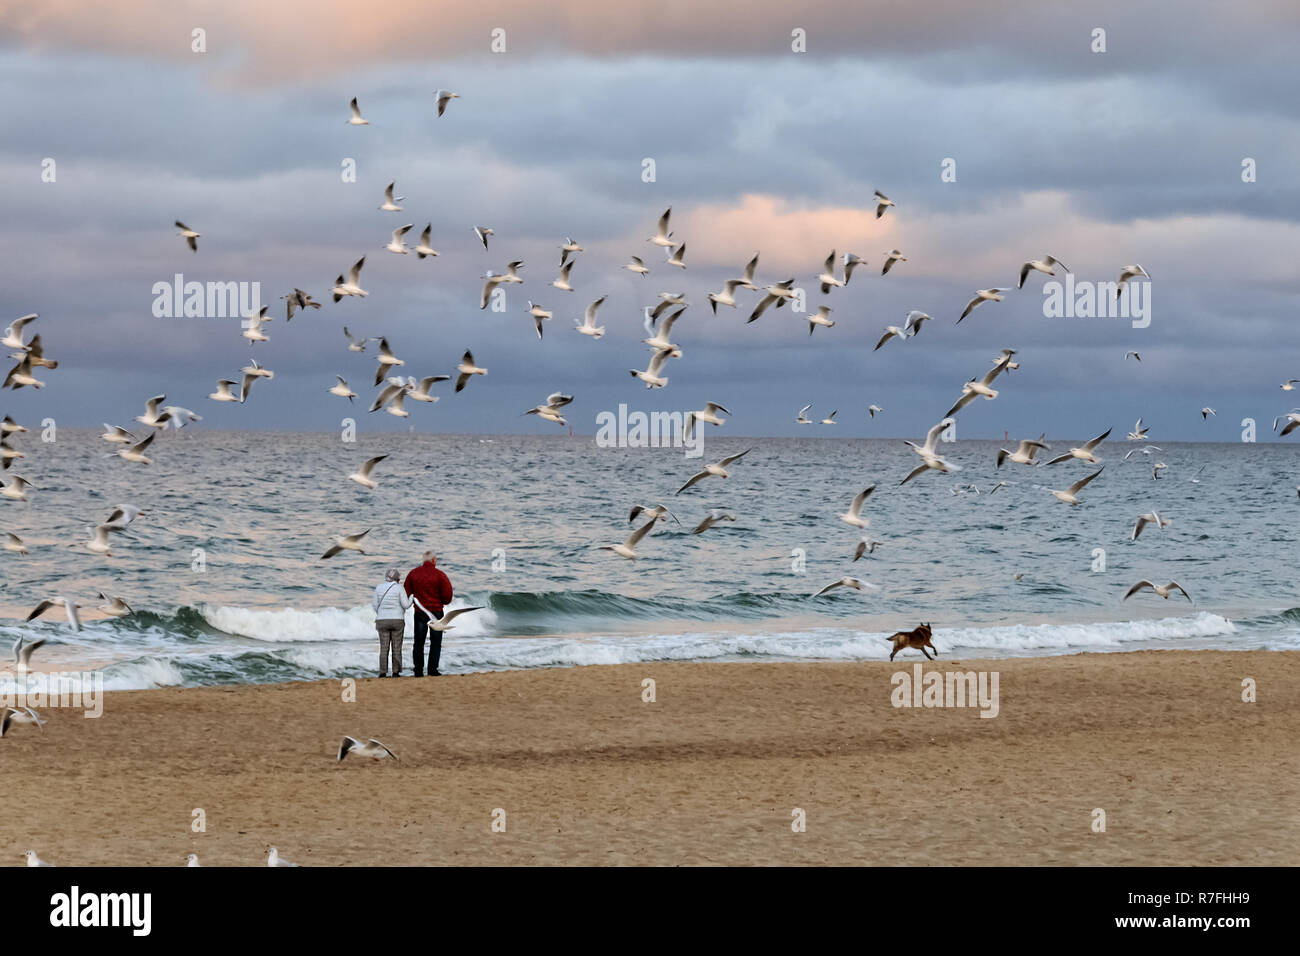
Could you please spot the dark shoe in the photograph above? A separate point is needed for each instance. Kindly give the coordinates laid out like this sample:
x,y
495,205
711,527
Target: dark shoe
x,y
383,675
418,674
435,673
397,673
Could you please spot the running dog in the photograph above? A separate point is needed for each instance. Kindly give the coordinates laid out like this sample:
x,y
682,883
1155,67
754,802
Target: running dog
x,y
919,638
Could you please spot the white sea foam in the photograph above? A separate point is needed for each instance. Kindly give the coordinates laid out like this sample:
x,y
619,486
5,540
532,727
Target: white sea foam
x,y
288,625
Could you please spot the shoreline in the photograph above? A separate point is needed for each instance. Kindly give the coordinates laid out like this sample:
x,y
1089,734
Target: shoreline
x,y
710,772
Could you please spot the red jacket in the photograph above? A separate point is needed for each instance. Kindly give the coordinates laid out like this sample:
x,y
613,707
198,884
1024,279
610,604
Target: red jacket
x,y
428,585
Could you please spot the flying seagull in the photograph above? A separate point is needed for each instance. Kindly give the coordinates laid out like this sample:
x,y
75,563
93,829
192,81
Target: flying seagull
x,y
719,470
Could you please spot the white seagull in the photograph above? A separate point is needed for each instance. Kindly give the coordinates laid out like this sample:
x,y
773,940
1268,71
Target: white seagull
x,y
362,475
588,324
355,119
981,296
1129,272
467,369
628,548
1164,592
853,583
396,245
371,749
1070,495
444,97
854,515
352,285
930,459
351,542
718,470
424,250
1045,265
1085,453
191,237
391,201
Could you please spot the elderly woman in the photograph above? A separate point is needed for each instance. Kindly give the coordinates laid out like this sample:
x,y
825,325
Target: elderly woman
x,y
390,603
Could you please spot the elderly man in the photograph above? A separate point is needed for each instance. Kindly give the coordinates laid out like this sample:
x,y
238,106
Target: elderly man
x,y
430,589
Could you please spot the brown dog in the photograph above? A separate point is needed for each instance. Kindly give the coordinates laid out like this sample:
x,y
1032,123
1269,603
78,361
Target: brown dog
x,y
919,638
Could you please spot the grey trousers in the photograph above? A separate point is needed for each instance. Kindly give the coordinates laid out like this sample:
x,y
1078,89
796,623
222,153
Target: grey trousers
x,y
390,636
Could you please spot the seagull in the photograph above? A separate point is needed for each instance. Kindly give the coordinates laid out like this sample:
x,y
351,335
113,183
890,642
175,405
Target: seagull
x,y
1157,468
14,543
1145,450
1134,354
483,232
562,281
99,541
341,389
1000,484
14,332
273,858
914,320
712,518
35,355
637,266
21,375
658,512
854,583
371,748
678,257
180,417
191,237
890,259
9,427
23,651
1206,413
820,318
351,542
122,516
803,418
727,296
872,409
588,324
391,201
1045,265
883,202
662,236
827,277
719,470
551,410
34,860
854,515
386,360
865,547
444,623
74,621
891,331
114,606
356,119
1138,433
747,275
651,375
779,294
981,296
660,338
1292,419
851,262
396,245
394,396
117,435
1025,451
1290,384
362,475
511,276
297,299
670,299
628,548
419,391
830,419
355,345
1129,272
1070,495
707,414
929,459
444,97
353,284
1146,519
539,315
11,716
424,250
222,394
466,369
1164,592
15,488
569,248
1085,453
253,323
972,389
8,453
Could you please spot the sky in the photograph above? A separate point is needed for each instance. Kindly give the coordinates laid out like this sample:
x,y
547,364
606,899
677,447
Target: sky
x,y
1102,159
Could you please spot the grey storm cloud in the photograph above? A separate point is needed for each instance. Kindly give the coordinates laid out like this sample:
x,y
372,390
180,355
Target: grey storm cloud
x,y
1101,159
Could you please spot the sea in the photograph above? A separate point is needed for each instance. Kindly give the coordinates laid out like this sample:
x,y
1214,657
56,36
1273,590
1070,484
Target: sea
x,y
225,577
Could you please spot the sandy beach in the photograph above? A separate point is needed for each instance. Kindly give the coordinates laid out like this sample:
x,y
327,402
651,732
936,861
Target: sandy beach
x,y
708,773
